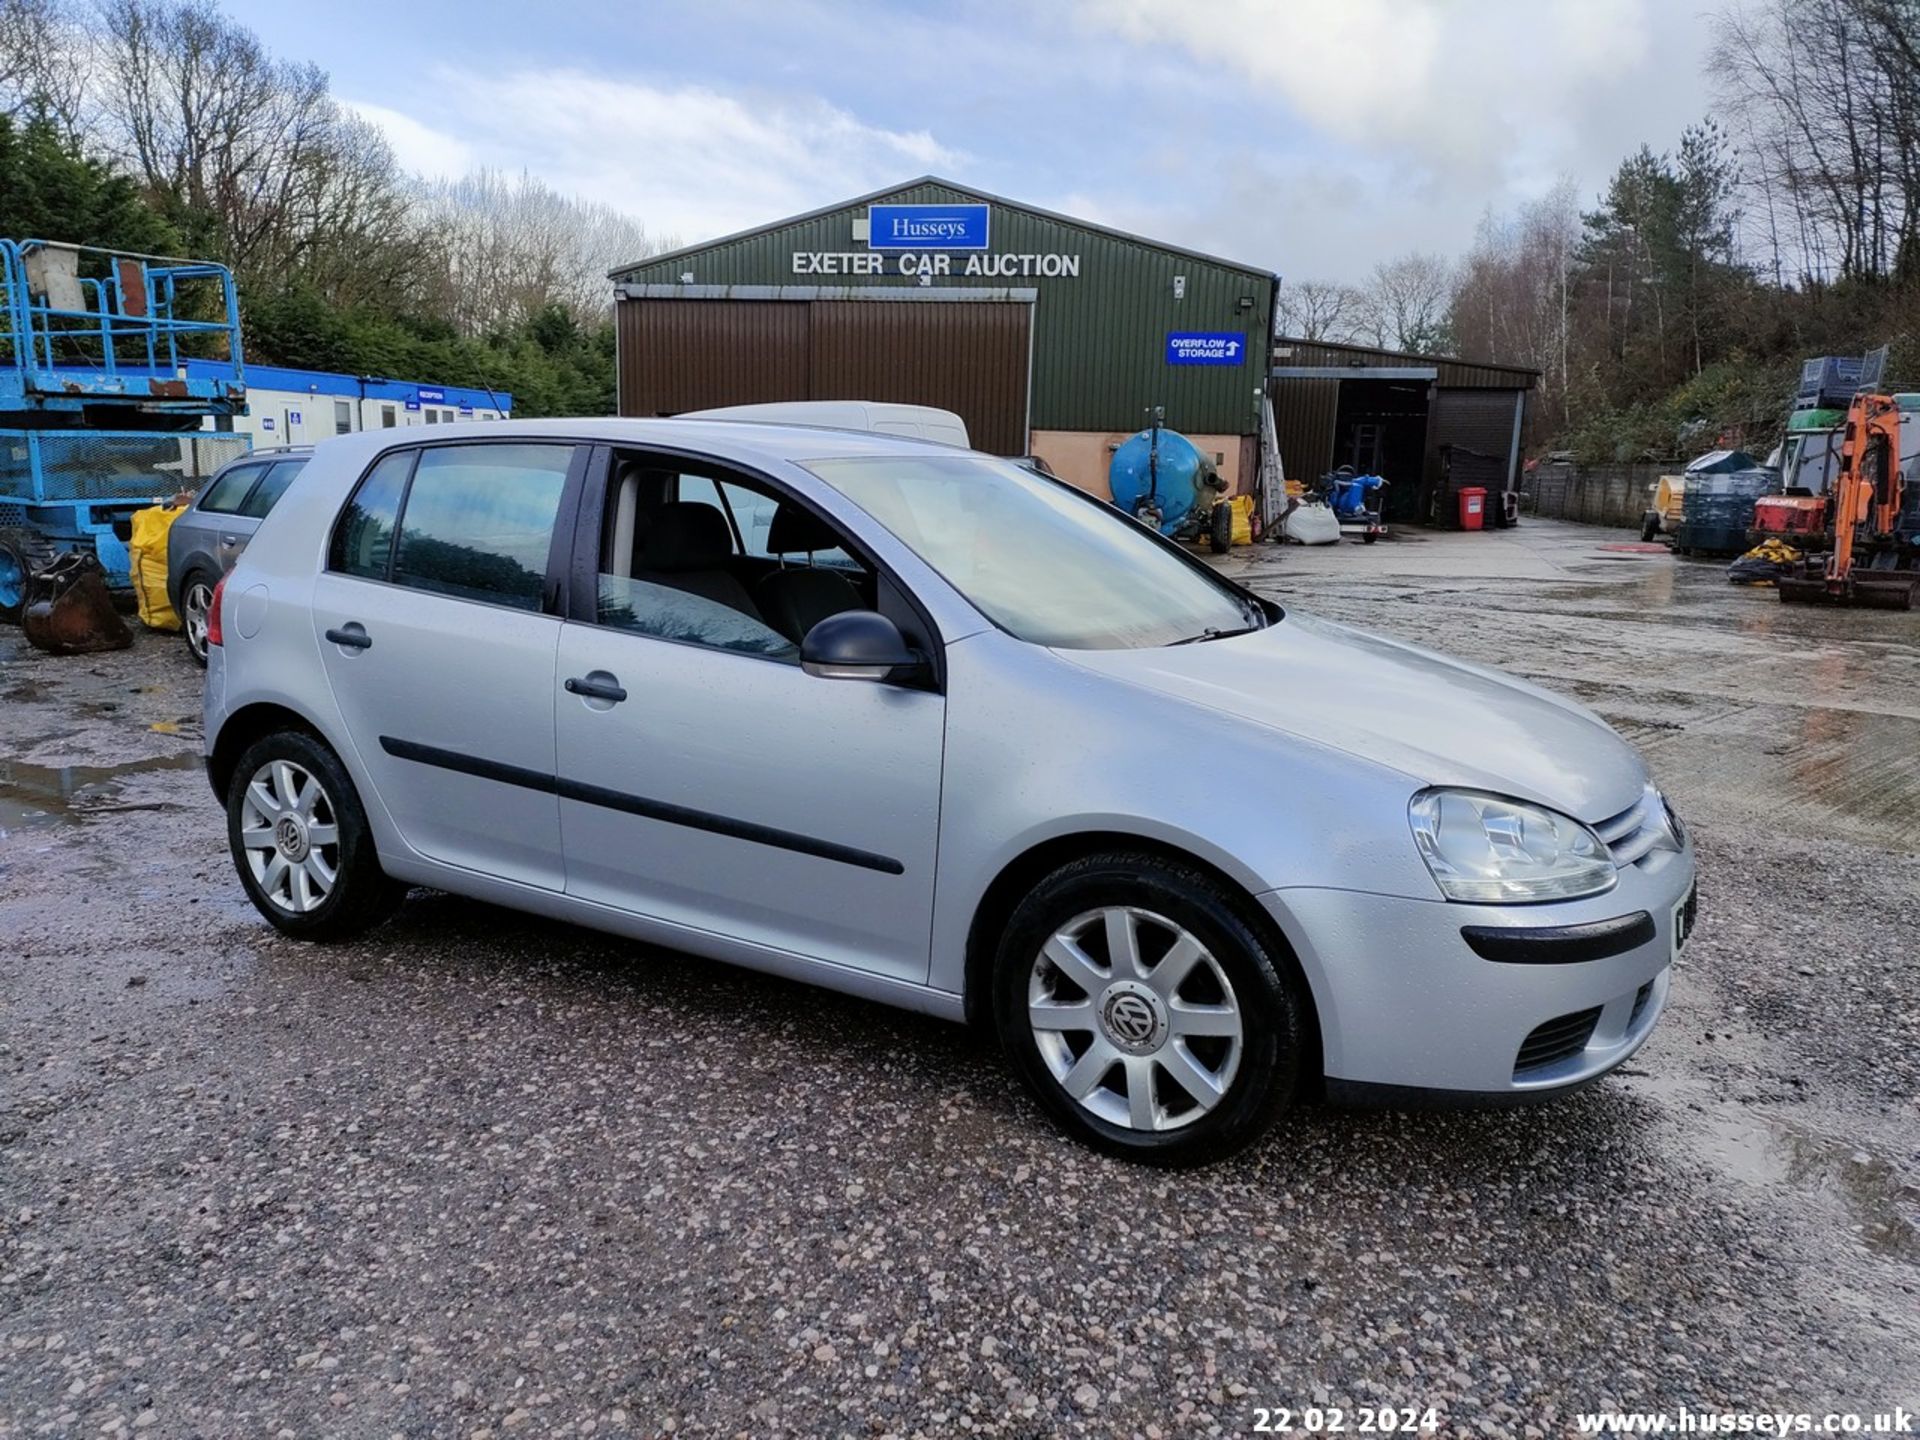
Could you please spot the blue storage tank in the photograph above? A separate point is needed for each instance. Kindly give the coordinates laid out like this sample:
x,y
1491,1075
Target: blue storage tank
x,y
1171,479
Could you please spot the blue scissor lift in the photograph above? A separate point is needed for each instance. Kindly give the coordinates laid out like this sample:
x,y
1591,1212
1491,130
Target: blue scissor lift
x,y
98,415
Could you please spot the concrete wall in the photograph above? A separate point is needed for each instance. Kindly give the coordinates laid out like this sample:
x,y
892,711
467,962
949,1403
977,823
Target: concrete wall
x,y
1082,457
1612,495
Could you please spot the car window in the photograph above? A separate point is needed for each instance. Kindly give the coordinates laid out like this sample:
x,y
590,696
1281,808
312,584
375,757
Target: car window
x,y
363,538
268,492
672,568
649,607
1045,565
702,490
753,513
478,520
227,489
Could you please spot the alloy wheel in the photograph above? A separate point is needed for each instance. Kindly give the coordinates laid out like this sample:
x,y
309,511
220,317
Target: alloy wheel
x,y
1135,1018
196,605
290,836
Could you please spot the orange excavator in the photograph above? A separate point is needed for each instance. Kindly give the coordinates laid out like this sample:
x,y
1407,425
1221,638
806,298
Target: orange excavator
x,y
1863,507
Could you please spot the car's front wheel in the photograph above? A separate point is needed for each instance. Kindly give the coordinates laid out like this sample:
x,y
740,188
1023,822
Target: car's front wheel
x,y
300,840
1146,1012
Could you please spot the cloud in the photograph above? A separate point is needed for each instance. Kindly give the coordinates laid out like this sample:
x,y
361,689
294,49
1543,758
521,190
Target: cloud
x,y
689,161
419,148
1368,128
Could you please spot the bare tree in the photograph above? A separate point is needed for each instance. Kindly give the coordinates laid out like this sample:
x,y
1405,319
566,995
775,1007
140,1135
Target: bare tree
x,y
1825,96
1405,303
253,149
514,246
1514,297
43,61
1319,310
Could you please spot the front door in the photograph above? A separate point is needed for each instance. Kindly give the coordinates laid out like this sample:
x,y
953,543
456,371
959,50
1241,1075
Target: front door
x,y
432,625
707,780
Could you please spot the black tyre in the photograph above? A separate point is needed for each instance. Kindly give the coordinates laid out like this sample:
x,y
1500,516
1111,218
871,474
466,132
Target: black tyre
x,y
1649,528
1371,536
1220,529
300,841
21,553
1171,1066
196,605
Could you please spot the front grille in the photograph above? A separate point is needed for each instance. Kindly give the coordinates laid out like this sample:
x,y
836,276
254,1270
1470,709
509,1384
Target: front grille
x,y
1556,1040
1640,998
1631,835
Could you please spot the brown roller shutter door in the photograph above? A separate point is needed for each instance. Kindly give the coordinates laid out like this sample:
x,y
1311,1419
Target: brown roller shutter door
x,y
969,357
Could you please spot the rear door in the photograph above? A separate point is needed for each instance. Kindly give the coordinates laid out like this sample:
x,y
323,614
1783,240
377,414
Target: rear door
x,y
436,622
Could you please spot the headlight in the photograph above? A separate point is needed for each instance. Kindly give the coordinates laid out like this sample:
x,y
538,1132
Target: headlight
x,y
1491,851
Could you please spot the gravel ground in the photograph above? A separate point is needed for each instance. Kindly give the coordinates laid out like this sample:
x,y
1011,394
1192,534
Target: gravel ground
x,y
477,1174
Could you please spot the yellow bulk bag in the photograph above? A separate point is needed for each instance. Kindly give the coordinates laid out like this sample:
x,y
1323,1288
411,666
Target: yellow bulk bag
x,y
1242,519
147,552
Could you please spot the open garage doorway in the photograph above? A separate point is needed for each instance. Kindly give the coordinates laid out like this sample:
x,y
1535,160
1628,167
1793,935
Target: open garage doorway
x,y
1381,429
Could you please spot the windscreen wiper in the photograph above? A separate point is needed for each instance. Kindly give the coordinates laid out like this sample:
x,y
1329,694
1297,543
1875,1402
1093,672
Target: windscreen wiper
x,y
1214,632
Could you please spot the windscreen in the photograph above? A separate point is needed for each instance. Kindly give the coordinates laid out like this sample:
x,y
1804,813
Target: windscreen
x,y
1044,565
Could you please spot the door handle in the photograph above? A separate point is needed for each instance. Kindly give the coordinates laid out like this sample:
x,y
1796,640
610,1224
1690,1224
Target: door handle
x,y
229,539
608,689
353,636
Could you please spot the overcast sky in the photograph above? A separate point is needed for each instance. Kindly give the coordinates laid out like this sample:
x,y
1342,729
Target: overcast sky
x,y
1313,137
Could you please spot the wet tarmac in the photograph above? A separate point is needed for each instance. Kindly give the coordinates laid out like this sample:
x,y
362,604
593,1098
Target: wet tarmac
x,y
478,1174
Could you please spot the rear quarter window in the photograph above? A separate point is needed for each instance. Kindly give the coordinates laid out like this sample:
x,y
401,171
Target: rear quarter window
x,y
226,491
268,492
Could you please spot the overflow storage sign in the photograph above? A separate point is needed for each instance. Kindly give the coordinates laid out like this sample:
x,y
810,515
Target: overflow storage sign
x,y
1206,347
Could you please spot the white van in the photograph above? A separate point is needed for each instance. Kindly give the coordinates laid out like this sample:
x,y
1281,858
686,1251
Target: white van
x,y
877,417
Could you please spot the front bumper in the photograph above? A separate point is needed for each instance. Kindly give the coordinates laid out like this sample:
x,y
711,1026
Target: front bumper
x,y
1407,1005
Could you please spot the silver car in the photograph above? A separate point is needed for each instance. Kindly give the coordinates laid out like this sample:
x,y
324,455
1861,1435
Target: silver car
x,y
926,727
205,541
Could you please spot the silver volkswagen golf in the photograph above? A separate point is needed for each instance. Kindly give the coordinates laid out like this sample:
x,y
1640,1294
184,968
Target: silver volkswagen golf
x,y
926,727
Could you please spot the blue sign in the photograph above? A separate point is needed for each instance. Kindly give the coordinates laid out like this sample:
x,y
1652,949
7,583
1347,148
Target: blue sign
x,y
293,418
926,227
1206,347
267,424
413,404
430,395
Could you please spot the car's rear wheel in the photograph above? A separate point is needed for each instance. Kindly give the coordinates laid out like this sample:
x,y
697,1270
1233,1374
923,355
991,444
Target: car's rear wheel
x,y
196,606
300,841
1146,1011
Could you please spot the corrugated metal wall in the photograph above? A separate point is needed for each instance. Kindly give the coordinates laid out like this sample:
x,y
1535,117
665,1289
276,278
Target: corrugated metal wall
x,y
1099,338
1304,412
1480,420
970,357
1453,373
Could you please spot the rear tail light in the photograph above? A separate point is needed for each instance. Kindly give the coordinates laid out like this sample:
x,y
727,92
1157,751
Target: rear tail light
x,y
214,636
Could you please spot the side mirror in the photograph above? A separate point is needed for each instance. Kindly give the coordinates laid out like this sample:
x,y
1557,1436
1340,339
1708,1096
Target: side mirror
x,y
859,645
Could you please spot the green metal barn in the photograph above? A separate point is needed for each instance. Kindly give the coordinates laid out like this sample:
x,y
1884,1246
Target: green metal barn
x,y
1049,335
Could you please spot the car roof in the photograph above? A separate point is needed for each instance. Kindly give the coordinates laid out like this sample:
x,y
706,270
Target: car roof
x,y
269,452
743,440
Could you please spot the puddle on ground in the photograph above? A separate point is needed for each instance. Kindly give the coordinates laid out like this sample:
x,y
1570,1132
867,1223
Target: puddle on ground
x,y
1771,1153
32,796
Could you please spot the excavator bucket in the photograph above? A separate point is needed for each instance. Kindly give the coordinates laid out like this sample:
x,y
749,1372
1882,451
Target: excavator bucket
x,y
1867,590
1804,590
1883,591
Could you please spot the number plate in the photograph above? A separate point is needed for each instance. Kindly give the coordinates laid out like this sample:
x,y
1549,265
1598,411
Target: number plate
x,y
1683,917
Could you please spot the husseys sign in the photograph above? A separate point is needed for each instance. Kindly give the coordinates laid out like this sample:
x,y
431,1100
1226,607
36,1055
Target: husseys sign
x,y
929,242
927,227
